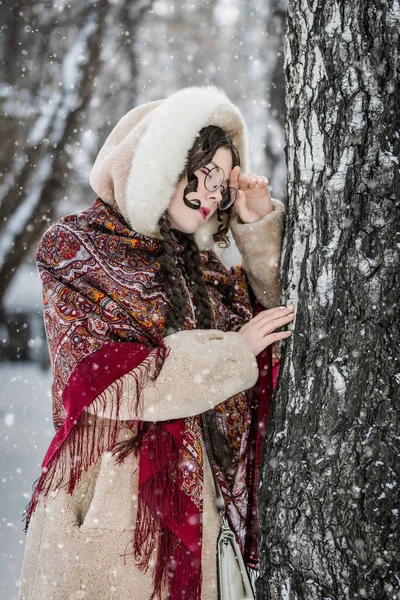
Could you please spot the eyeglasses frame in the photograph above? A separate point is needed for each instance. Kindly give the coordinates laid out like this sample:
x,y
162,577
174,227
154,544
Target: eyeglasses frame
x,y
230,189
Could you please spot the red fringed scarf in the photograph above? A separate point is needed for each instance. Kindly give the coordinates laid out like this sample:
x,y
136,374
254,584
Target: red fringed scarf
x,y
105,310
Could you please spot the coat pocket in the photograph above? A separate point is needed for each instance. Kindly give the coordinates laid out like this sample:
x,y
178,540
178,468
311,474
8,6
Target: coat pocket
x,y
113,502
74,541
77,504
50,567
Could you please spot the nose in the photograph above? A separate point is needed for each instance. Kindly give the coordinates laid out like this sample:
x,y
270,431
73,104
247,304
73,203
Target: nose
x,y
216,195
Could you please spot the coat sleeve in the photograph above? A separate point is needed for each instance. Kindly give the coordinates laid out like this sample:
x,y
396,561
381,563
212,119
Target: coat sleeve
x,y
260,246
93,340
202,368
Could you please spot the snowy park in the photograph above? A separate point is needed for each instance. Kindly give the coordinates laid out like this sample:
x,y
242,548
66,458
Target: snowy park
x,y
305,95
25,432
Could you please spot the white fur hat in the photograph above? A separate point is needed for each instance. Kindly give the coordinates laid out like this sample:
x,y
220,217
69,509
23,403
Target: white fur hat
x,y
140,162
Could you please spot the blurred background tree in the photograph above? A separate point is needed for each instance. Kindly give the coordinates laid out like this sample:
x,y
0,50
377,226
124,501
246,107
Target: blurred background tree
x,y
71,69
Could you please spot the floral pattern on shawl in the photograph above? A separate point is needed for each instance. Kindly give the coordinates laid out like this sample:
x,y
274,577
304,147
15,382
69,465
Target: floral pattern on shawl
x,y
102,286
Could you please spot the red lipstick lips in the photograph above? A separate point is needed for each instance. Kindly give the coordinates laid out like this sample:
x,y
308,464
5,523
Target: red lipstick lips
x,y
204,211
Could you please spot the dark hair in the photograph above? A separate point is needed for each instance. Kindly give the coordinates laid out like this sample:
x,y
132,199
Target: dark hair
x,y
209,140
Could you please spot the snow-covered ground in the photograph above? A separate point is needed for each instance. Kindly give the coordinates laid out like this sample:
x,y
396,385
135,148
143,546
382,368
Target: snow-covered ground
x,y
25,433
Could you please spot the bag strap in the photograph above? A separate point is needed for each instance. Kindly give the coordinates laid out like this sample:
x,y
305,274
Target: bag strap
x,y
220,502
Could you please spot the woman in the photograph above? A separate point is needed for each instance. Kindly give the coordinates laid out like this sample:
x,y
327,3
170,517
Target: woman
x,y
147,330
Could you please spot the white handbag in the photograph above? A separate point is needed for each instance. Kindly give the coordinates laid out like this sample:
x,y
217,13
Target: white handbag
x,y
233,577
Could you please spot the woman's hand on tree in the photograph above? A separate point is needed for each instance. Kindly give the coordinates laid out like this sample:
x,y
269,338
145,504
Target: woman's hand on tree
x,y
261,332
253,199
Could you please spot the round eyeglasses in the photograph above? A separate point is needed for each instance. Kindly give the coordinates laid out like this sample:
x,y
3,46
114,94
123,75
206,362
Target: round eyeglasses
x,y
213,180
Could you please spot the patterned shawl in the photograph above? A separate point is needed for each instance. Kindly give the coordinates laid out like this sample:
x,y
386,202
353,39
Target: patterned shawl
x,y
105,310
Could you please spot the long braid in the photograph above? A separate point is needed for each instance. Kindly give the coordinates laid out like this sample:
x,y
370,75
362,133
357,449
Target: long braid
x,y
194,273
206,144
178,300
195,280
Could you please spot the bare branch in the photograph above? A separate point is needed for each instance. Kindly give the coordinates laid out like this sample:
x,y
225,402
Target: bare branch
x,y
30,220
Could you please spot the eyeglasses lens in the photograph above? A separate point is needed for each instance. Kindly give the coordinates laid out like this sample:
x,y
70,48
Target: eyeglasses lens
x,y
214,179
228,198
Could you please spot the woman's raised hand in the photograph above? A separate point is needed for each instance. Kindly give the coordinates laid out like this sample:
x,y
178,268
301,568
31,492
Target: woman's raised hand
x,y
260,331
253,199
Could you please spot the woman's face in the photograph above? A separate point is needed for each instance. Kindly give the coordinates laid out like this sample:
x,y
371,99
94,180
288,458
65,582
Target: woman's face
x,y
188,220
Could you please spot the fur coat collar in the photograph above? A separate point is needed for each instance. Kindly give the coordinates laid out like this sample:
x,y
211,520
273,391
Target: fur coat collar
x,y
141,160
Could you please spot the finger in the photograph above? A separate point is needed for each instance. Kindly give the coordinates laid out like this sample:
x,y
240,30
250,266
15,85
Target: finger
x,y
242,182
275,337
234,177
265,317
252,182
245,180
270,326
271,313
263,182
241,206
272,339
253,176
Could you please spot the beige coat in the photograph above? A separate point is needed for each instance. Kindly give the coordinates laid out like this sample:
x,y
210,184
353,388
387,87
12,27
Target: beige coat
x,y
76,543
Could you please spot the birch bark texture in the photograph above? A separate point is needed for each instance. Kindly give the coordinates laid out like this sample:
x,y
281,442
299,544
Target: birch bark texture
x,y
329,489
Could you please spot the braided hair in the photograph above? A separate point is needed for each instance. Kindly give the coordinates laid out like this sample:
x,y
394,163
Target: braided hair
x,y
208,141
206,144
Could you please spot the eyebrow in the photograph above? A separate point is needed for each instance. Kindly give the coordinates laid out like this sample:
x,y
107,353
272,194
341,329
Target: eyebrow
x,y
213,163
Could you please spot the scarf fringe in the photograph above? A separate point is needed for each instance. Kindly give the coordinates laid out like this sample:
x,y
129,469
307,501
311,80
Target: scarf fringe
x,y
156,495
94,434
186,577
176,567
174,564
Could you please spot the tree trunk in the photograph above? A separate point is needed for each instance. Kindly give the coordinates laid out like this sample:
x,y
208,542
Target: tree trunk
x,y
329,491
